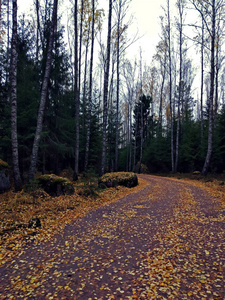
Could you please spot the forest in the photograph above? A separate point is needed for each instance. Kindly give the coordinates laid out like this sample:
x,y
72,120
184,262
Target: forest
x,y
71,97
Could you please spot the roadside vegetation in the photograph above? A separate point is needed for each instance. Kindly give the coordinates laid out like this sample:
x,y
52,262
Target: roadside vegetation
x,y
17,209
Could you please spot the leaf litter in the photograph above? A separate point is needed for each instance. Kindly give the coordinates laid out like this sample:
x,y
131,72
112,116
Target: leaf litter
x,y
166,242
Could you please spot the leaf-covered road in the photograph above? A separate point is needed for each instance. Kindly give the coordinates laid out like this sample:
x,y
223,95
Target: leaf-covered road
x,y
164,242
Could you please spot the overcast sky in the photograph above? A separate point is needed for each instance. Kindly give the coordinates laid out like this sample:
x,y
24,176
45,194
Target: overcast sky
x,y
146,21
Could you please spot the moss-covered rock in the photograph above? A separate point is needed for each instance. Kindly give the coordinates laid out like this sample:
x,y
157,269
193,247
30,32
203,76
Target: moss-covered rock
x,y
126,179
4,177
55,185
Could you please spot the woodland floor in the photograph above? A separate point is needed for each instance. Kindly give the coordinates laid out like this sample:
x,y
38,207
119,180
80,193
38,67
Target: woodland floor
x,y
165,240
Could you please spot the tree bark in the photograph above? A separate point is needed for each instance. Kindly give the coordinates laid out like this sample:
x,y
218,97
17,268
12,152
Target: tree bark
x,y
14,137
202,80
212,77
76,96
170,84
85,77
118,85
142,119
44,92
105,92
90,90
38,30
181,10
0,16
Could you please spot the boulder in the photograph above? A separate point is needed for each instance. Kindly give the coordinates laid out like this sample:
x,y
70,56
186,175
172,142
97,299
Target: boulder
x,y
55,185
4,177
127,179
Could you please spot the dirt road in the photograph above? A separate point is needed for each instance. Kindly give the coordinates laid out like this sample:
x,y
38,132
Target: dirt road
x,y
164,242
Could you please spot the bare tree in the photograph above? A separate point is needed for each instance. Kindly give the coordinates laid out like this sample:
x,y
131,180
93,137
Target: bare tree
x,y
212,76
105,90
212,12
170,82
44,92
90,89
180,6
76,93
121,10
13,79
129,73
39,31
161,56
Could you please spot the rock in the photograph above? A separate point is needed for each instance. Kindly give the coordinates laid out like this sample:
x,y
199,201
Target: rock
x,y
127,179
55,185
4,177
34,223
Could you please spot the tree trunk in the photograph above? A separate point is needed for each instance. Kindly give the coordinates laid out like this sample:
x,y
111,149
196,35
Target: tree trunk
x,y
76,96
0,16
159,126
85,77
180,7
44,92
38,30
202,79
90,90
80,44
170,85
212,77
15,152
105,93
142,119
118,87
8,46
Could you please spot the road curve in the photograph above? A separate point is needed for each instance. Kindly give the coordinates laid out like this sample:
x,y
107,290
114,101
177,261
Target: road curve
x,y
164,242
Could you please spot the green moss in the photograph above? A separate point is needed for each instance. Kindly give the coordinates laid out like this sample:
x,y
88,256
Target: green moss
x,y
55,185
127,179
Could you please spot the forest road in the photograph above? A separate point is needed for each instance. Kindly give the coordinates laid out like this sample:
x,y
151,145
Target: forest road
x,y
165,242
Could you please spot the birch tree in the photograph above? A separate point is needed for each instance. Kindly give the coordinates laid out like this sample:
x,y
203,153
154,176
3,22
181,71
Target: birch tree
x,y
76,92
180,6
211,12
170,83
121,10
44,92
90,90
13,79
105,90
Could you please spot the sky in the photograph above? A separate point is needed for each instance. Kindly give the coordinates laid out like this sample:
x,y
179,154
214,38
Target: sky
x,y
146,21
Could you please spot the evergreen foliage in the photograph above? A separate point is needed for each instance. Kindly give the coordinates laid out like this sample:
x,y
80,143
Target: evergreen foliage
x,y
150,141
